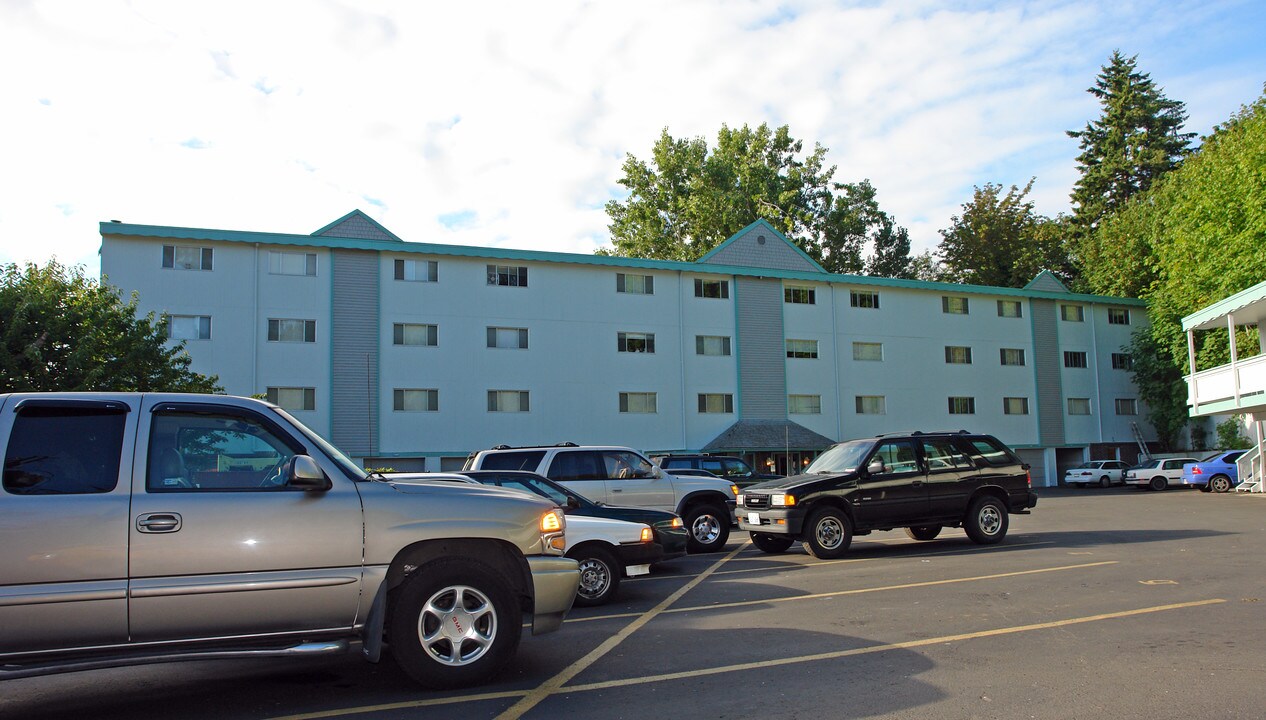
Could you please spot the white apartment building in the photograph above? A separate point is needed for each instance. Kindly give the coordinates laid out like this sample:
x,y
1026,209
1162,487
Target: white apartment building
x,y
411,355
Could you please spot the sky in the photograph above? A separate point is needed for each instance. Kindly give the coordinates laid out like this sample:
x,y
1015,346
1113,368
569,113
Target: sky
x,y
505,124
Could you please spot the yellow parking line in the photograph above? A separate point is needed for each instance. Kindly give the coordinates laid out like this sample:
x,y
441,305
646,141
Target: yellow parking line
x,y
870,649
858,591
540,693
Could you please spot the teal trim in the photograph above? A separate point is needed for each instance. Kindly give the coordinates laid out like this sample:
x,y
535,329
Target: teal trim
x,y
393,247
1228,407
764,223
363,216
1207,318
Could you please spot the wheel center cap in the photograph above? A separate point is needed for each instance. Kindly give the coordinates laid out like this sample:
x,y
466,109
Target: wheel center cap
x,y
457,625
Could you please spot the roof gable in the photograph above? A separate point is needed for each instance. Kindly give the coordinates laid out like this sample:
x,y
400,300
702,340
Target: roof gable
x,y
357,225
760,245
1047,282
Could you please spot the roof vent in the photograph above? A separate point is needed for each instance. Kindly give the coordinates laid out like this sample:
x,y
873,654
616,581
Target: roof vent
x,y
760,239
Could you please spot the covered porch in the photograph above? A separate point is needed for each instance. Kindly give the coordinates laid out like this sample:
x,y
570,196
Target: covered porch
x,y
1238,387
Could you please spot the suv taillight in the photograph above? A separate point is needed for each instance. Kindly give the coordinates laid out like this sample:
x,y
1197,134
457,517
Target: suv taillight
x,y
1028,479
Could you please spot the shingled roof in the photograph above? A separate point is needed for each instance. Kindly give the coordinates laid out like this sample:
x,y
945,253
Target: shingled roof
x,y
753,435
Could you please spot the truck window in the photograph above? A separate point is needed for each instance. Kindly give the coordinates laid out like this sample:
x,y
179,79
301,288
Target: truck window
x,y
193,452
64,451
512,460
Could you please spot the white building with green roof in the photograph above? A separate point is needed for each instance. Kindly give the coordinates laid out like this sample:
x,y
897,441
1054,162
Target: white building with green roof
x,y
411,355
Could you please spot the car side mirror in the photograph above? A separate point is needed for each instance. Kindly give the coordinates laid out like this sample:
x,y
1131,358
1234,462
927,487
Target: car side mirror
x,y
876,467
303,473
572,503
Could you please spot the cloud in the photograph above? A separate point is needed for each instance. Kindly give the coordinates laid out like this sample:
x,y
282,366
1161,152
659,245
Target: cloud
x,y
499,124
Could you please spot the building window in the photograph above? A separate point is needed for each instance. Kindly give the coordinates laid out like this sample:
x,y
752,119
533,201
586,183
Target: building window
x,y
415,400
800,295
291,263
1015,406
1127,406
638,402
1074,359
1078,406
712,345
871,405
1118,316
804,404
802,349
1012,356
1010,309
508,338
863,299
415,334
292,398
712,288
507,275
507,401
1122,361
628,342
957,355
294,331
429,271
716,403
179,257
868,351
962,406
635,284
1072,313
188,327
953,305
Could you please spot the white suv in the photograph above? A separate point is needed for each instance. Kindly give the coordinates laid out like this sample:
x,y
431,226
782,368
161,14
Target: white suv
x,y
623,476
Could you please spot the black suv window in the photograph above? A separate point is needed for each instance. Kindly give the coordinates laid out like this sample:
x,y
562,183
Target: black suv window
x,y
64,451
670,463
898,457
712,465
526,460
993,452
942,455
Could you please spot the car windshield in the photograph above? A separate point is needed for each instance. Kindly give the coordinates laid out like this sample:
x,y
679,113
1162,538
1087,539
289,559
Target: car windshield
x,y
344,462
843,457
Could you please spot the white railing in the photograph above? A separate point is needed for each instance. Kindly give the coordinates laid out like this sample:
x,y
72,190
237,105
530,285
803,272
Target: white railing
x,y
1249,467
1227,382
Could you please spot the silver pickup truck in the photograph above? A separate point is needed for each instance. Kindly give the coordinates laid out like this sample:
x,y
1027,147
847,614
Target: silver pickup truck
x,y
140,528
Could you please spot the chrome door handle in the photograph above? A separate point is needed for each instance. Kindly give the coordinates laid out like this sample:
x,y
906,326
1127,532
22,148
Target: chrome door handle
x,y
158,522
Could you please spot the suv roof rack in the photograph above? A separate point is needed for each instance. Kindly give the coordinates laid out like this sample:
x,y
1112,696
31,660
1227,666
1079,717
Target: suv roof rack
x,y
917,433
531,447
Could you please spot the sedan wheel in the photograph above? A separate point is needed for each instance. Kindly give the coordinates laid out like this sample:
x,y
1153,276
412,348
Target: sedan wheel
x,y
1160,482
1220,484
599,576
1105,481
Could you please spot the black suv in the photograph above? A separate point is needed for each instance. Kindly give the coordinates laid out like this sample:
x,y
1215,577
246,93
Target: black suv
x,y
918,481
731,468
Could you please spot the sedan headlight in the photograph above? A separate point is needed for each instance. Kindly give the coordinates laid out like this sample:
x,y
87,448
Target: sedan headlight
x,y
782,500
647,536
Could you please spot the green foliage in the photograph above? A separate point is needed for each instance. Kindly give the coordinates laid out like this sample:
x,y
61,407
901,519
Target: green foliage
x,y
1161,387
61,331
999,240
1229,435
1134,142
687,200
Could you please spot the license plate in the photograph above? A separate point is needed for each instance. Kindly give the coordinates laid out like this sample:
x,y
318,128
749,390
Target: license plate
x,y
753,518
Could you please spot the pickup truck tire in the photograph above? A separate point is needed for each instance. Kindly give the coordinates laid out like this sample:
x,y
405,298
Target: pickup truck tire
x,y
599,575
772,544
453,623
828,534
1158,483
707,528
986,521
1220,484
923,532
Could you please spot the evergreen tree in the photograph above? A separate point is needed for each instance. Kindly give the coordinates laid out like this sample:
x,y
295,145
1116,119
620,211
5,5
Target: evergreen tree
x,y
1137,138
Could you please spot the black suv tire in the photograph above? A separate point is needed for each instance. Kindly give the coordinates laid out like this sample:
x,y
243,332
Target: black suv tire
x,y
828,534
772,544
986,522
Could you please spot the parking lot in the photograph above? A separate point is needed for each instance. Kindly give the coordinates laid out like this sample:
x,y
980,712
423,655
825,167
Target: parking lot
x,y
1102,603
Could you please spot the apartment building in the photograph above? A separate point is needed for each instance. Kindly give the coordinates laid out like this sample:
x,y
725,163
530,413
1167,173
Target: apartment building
x,y
411,355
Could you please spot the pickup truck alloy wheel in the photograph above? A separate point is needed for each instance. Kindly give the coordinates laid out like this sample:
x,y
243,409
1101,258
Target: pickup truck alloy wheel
x,y
773,544
830,534
599,576
1220,484
923,532
1160,482
986,521
709,527
453,623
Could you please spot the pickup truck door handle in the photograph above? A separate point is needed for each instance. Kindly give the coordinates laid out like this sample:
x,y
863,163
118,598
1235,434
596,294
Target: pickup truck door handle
x,y
161,522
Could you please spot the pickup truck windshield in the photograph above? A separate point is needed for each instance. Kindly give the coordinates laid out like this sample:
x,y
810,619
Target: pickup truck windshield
x,y
344,462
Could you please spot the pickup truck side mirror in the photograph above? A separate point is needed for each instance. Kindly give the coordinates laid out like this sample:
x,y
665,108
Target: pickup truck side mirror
x,y
303,473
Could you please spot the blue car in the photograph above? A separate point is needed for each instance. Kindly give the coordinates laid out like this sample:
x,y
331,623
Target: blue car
x,y
1216,473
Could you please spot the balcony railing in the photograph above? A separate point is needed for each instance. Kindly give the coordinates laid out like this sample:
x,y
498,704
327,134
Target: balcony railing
x,y
1243,381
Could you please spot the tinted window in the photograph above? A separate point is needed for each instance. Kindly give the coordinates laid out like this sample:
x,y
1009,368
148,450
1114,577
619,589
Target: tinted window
x,y
64,451
512,460
898,457
583,465
712,465
667,463
623,465
193,452
942,455
1232,457
993,452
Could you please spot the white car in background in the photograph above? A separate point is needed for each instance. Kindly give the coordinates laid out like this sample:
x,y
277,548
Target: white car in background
x,y
1103,473
1157,474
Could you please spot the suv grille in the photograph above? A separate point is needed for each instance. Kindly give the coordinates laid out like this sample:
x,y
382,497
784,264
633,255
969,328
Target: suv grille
x,y
756,502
